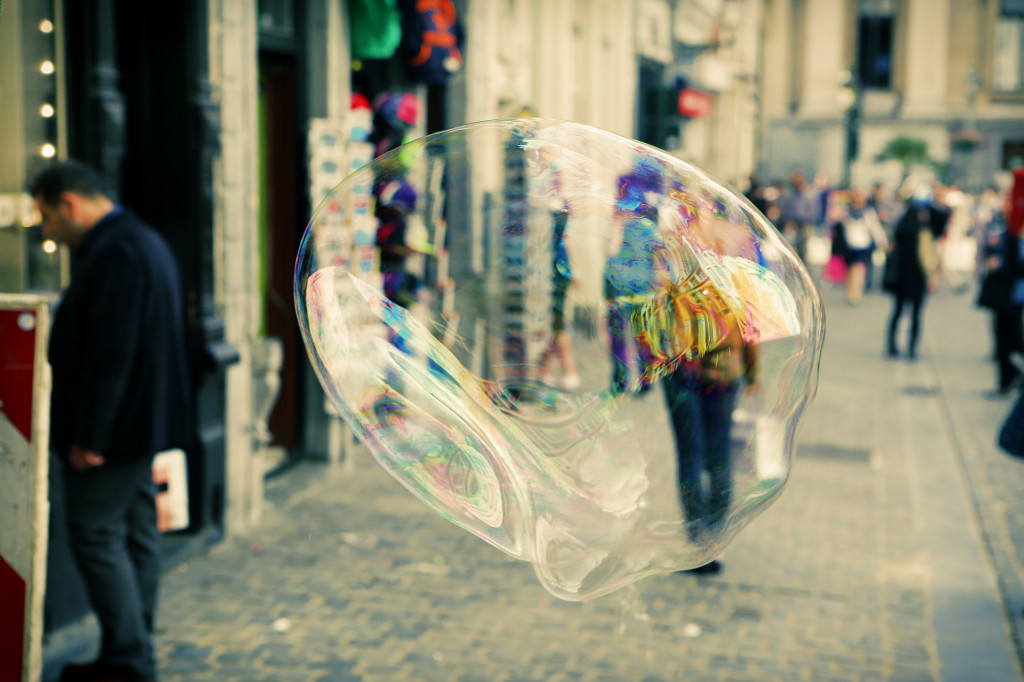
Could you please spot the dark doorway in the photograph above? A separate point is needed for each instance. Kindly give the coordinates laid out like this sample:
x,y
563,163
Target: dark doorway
x,y
655,119
281,229
140,112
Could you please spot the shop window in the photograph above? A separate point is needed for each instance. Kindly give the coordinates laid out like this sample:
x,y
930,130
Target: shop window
x,y
276,18
657,120
874,43
1008,48
1013,154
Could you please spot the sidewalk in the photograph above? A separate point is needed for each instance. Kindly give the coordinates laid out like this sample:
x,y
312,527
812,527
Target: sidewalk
x,y
896,552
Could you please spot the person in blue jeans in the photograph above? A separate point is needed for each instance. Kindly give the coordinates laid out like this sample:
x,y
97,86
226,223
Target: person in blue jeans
x,y
120,395
701,397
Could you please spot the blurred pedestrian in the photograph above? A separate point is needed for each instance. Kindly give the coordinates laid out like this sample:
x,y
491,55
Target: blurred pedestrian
x,y
634,269
887,209
862,233
755,193
934,199
916,261
885,205
827,196
800,210
836,269
120,395
773,195
701,397
1002,289
989,227
560,346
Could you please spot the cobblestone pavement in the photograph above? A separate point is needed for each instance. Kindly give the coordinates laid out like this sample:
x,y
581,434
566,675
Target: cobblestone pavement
x,y
896,552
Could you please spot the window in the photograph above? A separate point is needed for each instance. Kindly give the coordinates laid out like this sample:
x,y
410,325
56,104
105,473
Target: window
x,y
1008,48
874,43
1013,153
275,18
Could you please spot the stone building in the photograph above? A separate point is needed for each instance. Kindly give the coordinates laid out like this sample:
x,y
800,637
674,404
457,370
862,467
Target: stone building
x,y
202,117
840,79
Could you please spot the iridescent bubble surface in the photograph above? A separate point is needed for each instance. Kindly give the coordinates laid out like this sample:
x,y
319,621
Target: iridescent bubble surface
x,y
579,348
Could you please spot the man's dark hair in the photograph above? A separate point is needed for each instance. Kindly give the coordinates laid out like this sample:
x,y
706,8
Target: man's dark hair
x,y
67,176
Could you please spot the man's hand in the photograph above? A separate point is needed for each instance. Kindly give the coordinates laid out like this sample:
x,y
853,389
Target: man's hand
x,y
83,460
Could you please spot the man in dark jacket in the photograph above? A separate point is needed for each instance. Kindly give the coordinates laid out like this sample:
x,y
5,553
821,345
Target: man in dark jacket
x,y
120,395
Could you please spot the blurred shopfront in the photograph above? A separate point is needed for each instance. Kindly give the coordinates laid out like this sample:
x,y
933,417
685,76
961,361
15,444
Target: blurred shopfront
x,y
126,90
215,148
224,123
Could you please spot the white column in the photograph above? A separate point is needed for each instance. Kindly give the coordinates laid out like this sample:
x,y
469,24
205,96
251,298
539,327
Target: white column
x,y
927,57
825,27
233,52
478,20
588,84
613,100
339,61
556,66
779,45
622,35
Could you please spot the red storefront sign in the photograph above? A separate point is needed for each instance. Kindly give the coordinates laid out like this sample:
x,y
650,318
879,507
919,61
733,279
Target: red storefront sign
x,y
695,103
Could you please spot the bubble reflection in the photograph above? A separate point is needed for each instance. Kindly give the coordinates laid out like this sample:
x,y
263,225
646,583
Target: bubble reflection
x,y
579,348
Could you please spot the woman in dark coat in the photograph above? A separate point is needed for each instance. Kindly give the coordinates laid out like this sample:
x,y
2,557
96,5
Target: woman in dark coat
x,y
1002,288
914,250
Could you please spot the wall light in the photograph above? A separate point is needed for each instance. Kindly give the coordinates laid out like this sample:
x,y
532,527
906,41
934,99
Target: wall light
x,y
48,151
46,111
49,246
46,26
46,67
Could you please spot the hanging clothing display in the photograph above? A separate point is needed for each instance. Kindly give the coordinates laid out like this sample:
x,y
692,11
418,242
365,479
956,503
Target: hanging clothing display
x,y
432,37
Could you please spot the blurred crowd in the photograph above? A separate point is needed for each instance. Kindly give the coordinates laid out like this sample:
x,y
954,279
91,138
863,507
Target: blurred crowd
x,y
910,241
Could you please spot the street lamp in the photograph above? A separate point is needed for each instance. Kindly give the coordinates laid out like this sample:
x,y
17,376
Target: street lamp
x,y
849,99
967,138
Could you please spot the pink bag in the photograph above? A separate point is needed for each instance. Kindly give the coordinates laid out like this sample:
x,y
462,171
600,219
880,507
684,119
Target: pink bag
x,y
834,271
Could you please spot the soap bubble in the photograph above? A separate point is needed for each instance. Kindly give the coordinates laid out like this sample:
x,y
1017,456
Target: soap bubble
x,y
577,347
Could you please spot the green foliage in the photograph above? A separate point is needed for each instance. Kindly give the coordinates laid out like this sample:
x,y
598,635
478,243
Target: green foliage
x,y
908,151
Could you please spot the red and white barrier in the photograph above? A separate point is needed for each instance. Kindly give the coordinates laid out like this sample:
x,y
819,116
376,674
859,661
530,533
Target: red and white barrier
x,y
24,502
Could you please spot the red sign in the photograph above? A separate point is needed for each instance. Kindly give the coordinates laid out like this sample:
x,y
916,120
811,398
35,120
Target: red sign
x,y
695,103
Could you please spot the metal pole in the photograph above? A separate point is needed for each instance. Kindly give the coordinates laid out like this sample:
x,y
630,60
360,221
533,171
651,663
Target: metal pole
x,y
851,128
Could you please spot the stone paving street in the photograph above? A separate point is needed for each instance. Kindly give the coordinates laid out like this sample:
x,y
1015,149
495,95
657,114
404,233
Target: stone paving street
x,y
896,552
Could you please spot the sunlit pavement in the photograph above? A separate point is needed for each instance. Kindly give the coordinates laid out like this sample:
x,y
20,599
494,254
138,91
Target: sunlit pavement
x,y
896,552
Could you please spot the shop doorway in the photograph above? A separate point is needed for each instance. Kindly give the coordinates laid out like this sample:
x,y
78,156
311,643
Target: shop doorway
x,y
655,121
280,231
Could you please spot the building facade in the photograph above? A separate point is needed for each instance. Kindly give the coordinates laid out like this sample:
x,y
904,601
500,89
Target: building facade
x,y
203,118
128,92
841,79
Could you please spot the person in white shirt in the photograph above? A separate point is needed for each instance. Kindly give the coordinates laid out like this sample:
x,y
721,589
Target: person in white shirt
x,y
864,233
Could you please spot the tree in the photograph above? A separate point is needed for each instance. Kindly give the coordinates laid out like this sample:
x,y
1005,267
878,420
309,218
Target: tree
x,y
908,151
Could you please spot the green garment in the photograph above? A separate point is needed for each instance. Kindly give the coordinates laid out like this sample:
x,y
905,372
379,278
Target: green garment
x,y
374,28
